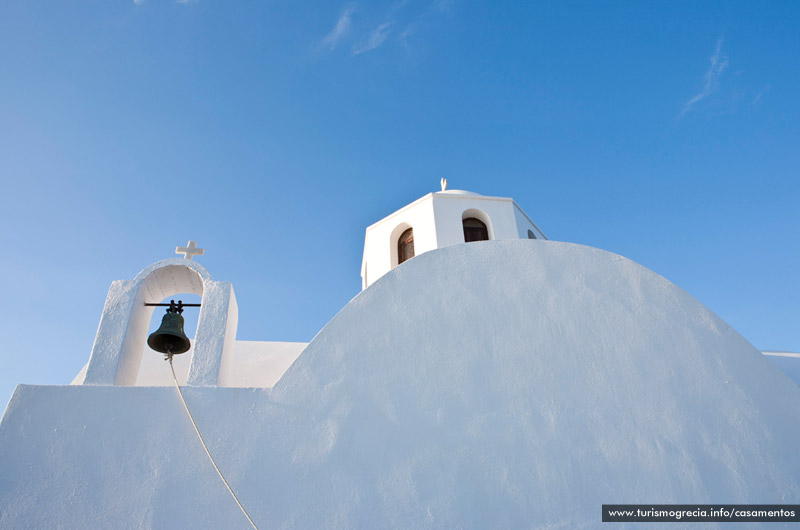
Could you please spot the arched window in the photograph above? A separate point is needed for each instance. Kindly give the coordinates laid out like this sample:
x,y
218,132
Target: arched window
x,y
474,230
531,235
405,246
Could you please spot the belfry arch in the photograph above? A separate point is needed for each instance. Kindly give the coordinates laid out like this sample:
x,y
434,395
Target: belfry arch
x,y
482,217
121,335
394,242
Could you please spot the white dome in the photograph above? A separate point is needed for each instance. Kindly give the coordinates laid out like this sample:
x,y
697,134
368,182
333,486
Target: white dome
x,y
459,192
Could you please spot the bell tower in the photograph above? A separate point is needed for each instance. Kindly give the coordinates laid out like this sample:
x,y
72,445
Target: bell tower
x,y
119,343
437,220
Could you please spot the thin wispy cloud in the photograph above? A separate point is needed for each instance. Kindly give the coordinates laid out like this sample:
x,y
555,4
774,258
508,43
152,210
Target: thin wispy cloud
x,y
376,38
757,100
443,6
397,6
341,29
397,24
719,63
406,33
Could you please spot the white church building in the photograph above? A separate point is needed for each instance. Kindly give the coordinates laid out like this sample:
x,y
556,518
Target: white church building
x,y
485,377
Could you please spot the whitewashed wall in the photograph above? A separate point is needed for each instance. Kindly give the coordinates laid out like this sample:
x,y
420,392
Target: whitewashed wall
x,y
563,376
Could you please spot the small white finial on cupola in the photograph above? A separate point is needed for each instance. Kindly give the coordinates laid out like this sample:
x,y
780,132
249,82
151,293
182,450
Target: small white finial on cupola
x,y
190,250
444,184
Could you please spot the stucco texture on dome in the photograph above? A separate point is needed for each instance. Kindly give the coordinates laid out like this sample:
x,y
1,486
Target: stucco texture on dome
x,y
498,384
524,383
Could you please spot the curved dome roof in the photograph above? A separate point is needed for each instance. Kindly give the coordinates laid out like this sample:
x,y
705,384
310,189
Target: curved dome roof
x,y
459,192
534,377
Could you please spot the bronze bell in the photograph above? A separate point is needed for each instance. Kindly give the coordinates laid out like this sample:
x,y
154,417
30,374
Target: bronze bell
x,y
170,338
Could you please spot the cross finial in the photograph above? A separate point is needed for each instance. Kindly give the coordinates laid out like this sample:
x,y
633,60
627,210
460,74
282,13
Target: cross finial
x,y
444,184
190,250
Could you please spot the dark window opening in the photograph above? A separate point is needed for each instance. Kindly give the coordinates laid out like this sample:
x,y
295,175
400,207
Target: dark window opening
x,y
475,230
405,246
531,235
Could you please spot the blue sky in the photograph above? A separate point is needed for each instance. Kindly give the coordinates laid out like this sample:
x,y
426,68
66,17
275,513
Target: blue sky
x,y
274,132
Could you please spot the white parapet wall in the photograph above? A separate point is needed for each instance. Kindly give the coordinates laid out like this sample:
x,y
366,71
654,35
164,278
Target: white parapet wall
x,y
255,364
788,362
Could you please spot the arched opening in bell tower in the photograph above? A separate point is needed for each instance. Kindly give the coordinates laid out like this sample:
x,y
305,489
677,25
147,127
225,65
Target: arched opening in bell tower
x,y
405,246
153,370
401,244
476,226
474,230
139,365
128,317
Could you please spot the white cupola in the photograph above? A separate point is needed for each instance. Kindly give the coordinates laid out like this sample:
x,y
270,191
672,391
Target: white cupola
x,y
438,220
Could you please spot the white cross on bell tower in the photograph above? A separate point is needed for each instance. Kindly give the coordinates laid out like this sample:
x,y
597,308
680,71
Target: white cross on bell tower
x,y
190,250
